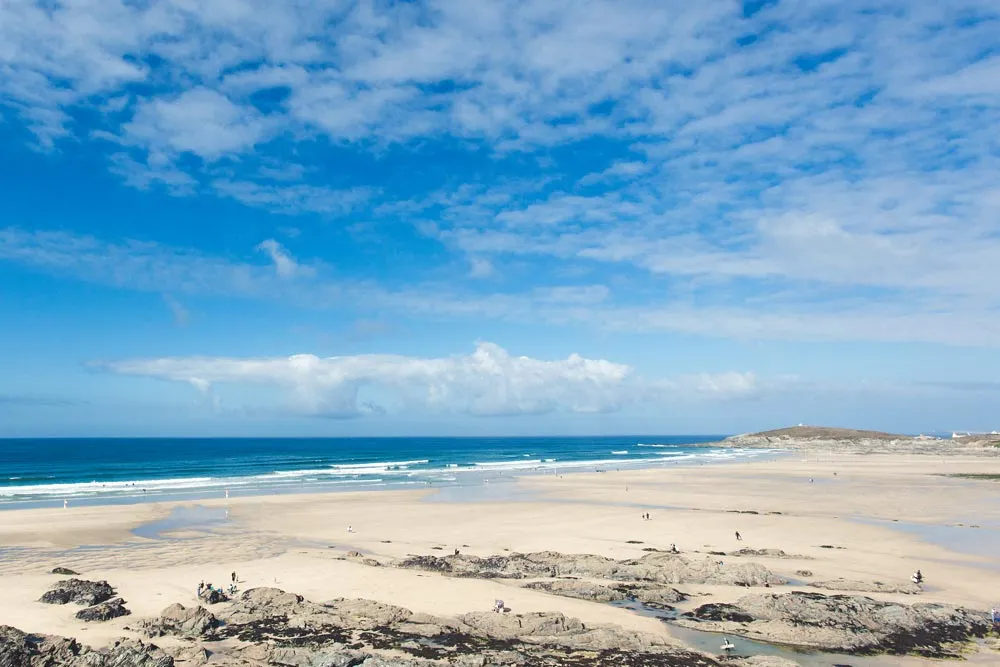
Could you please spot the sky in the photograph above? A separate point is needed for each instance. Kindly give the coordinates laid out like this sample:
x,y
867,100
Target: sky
x,y
344,217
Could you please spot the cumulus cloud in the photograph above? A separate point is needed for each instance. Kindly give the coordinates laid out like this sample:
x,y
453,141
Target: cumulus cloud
x,y
488,382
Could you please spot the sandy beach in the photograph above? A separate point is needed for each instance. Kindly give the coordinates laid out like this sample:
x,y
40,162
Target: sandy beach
x,y
836,516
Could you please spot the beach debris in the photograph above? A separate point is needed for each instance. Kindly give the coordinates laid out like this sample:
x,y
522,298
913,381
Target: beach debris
x,y
844,623
80,591
105,611
64,570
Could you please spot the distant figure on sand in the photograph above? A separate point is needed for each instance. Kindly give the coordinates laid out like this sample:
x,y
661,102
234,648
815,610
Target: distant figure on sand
x,y
350,529
234,577
917,578
65,504
498,606
739,538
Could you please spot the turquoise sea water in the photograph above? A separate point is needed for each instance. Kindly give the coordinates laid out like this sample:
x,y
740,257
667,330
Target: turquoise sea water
x,y
85,471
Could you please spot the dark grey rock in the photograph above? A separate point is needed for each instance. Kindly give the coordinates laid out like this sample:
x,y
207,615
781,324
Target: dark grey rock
x,y
80,591
180,620
21,649
105,611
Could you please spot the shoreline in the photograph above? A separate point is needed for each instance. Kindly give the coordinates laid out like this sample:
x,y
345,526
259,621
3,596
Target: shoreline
x,y
469,478
154,553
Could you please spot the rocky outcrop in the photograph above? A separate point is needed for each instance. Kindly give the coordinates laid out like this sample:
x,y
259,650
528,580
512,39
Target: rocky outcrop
x,y
179,620
283,629
907,588
844,623
21,649
654,596
64,570
581,590
80,591
657,567
859,442
105,611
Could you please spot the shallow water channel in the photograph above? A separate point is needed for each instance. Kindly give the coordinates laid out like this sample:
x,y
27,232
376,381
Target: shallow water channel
x,y
711,643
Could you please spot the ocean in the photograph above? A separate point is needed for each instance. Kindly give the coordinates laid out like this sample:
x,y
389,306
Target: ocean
x,y
47,472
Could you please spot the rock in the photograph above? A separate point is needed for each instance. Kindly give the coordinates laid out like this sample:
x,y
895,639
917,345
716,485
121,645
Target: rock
x,y
276,628
21,649
580,590
189,656
180,620
907,588
765,553
80,591
105,611
763,661
653,596
721,612
845,623
553,628
64,570
657,567
133,653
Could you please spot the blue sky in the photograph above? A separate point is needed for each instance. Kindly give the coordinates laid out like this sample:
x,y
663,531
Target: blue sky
x,y
342,218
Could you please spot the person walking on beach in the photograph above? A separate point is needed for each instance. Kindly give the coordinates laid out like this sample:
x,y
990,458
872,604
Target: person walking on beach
x,y
350,529
234,577
739,538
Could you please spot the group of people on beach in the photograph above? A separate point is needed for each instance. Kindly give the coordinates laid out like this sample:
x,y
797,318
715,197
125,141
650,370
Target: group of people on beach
x,y
646,517
205,588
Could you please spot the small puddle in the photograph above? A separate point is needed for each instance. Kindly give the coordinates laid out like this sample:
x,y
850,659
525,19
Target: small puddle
x,y
196,518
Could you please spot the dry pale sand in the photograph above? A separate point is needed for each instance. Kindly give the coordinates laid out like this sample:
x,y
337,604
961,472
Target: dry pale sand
x,y
297,542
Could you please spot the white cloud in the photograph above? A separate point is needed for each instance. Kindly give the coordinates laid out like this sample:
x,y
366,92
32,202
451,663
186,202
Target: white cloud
x,y
284,263
163,269
480,267
293,199
488,382
818,170
198,121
